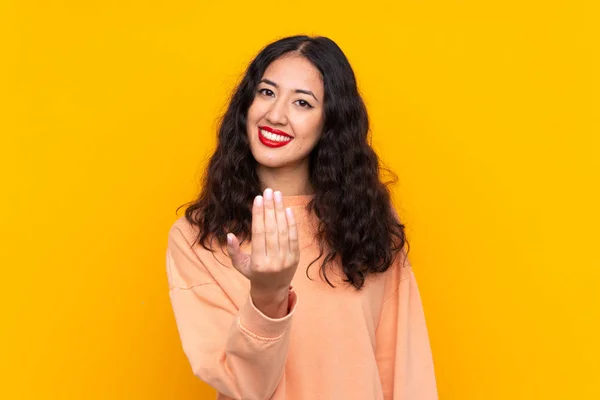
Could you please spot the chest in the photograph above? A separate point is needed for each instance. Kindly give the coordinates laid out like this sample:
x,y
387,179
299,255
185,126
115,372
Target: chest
x,y
335,310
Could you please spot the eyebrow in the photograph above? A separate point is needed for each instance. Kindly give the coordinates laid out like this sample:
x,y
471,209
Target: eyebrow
x,y
308,92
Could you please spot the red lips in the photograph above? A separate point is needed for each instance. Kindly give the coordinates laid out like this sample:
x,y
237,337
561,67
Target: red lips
x,y
275,131
272,143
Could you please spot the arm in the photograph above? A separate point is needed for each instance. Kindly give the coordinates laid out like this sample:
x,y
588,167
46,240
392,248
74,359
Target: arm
x,y
239,352
402,351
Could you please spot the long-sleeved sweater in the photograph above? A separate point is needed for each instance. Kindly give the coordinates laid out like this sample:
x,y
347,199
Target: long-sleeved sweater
x,y
334,344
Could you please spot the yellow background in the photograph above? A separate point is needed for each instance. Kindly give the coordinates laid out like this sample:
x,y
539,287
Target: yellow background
x,y
487,111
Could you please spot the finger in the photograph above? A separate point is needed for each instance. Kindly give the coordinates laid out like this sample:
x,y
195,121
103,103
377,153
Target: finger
x,y
233,249
238,259
282,228
258,228
272,241
292,233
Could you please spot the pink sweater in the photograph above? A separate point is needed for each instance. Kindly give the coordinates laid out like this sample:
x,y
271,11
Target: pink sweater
x,y
335,343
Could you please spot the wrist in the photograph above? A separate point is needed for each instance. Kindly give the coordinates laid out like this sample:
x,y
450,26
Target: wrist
x,y
272,303
269,294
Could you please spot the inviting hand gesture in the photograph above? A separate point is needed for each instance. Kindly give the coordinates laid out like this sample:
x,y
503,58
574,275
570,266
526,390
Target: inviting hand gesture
x,y
275,254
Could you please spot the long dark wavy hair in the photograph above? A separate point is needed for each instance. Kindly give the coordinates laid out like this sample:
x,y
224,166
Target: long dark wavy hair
x,y
357,221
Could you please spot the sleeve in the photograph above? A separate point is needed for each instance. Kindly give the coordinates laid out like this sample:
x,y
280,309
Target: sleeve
x,y
239,352
403,351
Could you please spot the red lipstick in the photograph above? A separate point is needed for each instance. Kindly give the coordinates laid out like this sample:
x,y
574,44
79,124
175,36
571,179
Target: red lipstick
x,y
272,143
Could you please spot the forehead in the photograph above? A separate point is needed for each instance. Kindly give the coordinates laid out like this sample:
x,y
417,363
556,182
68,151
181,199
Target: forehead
x,y
294,72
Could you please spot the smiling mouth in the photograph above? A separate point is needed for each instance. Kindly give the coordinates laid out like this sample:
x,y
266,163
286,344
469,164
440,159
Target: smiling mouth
x,y
271,139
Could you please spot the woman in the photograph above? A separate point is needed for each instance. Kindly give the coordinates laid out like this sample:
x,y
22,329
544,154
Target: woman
x,y
293,179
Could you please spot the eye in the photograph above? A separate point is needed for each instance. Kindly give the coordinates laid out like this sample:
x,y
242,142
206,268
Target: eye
x,y
266,92
304,104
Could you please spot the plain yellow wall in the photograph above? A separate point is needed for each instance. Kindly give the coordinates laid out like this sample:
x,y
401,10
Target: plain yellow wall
x,y
486,110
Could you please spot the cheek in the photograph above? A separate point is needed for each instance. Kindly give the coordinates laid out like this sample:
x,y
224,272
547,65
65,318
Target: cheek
x,y
251,112
257,110
252,118
310,127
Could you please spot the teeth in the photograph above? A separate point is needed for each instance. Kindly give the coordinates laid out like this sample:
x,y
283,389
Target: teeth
x,y
274,137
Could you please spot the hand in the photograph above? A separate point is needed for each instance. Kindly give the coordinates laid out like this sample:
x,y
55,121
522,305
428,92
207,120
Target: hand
x,y
275,254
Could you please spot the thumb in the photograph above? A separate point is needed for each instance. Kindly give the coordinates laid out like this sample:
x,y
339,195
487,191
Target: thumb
x,y
239,260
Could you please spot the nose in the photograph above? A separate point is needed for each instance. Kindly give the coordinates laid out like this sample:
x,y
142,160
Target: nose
x,y
277,113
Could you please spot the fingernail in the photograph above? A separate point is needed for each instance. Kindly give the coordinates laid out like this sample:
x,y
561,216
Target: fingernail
x,y
268,195
277,196
258,200
229,238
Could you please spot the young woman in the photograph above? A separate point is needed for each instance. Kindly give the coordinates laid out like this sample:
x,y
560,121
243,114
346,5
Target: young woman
x,y
288,275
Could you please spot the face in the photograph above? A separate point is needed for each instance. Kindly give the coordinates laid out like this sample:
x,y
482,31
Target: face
x,y
285,119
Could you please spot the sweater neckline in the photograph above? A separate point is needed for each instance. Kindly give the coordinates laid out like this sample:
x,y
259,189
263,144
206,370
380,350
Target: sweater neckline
x,y
299,200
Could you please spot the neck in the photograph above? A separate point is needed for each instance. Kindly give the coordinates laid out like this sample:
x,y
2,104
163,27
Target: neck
x,y
290,181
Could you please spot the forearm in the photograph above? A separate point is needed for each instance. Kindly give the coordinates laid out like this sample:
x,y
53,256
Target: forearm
x,y
241,355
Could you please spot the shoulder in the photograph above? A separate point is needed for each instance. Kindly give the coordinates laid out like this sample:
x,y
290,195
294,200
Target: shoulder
x,y
185,266
182,231
399,270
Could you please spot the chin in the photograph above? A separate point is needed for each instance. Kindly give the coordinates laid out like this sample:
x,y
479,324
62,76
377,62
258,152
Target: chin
x,y
265,161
